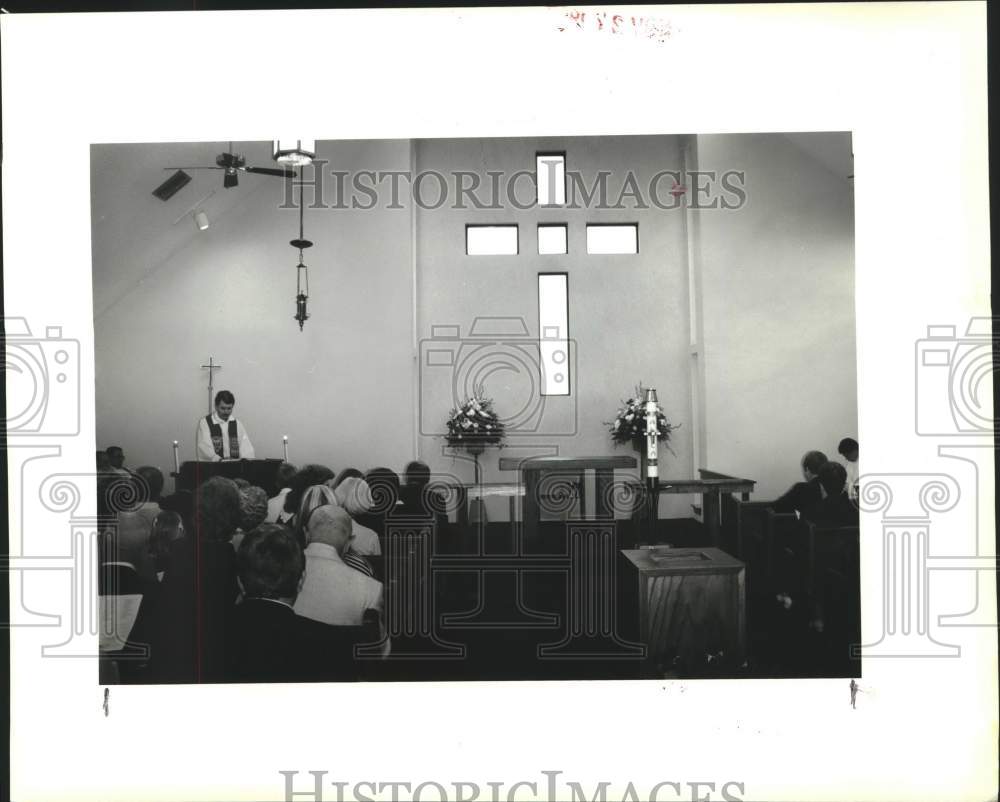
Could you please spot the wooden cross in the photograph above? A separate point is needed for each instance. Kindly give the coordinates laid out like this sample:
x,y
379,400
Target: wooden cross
x,y
211,367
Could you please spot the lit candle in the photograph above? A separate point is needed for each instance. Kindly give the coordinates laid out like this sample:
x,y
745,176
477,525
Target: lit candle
x,y
285,443
177,462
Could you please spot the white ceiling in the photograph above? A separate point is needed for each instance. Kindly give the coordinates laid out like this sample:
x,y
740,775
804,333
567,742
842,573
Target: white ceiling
x,y
832,149
134,233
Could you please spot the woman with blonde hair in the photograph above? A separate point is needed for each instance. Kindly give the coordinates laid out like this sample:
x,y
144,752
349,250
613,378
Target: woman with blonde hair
x,y
312,499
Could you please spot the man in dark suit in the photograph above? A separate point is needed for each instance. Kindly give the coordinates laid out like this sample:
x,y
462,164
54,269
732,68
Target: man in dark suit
x,y
267,641
836,508
804,497
417,497
198,590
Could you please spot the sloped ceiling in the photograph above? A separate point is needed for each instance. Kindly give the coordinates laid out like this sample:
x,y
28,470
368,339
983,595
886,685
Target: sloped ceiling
x,y
133,232
832,149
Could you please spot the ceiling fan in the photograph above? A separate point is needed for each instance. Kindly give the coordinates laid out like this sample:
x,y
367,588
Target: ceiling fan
x,y
233,164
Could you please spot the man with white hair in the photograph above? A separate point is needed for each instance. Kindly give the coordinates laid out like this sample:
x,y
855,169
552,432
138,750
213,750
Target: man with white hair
x,y
332,592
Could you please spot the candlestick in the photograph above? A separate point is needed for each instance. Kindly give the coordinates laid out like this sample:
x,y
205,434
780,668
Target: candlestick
x,y
285,444
652,433
177,462
652,469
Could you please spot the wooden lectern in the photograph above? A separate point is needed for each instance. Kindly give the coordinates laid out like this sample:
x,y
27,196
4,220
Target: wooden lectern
x,y
691,604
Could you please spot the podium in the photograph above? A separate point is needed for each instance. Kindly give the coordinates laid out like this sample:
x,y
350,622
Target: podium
x,y
260,472
689,603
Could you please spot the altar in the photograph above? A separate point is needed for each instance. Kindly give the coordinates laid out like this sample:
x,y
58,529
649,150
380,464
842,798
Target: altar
x,y
260,472
534,471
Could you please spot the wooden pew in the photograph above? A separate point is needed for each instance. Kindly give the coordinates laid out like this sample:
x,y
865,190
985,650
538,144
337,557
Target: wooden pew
x,y
713,487
744,524
837,582
790,552
752,544
814,564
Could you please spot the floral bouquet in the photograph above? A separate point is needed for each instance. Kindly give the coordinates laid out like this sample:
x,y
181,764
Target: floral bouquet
x,y
629,425
474,423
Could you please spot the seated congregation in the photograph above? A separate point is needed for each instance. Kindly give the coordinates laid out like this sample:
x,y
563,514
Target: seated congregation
x,y
239,587
801,551
310,581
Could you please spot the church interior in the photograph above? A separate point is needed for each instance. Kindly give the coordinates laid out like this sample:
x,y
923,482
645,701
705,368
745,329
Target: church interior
x,y
373,310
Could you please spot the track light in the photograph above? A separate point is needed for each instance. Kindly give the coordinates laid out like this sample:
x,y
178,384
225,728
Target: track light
x,y
196,211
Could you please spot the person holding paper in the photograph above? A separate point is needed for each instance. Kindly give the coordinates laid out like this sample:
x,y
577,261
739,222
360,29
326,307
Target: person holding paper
x,y
220,436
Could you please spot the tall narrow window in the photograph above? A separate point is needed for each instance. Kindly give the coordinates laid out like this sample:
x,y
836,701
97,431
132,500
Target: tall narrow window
x,y
553,331
550,178
491,240
611,238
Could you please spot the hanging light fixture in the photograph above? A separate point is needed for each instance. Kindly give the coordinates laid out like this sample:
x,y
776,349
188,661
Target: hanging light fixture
x,y
293,152
301,270
201,220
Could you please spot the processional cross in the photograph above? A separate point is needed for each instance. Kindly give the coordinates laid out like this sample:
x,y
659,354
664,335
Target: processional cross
x,y
211,367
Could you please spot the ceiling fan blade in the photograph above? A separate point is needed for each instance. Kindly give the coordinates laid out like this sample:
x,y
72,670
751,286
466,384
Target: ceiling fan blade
x,y
271,171
194,168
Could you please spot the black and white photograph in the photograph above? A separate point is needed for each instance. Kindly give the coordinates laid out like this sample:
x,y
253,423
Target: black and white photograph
x,y
508,409
509,404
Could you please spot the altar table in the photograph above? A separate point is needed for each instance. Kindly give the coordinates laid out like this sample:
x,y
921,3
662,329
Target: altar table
x,y
260,472
533,470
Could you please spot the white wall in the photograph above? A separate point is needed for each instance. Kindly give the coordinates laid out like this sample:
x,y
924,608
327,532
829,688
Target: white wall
x,y
776,297
229,293
778,311
627,313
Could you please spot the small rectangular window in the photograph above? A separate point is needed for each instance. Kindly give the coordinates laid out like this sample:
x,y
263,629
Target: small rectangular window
x,y
550,177
553,332
613,238
491,240
552,239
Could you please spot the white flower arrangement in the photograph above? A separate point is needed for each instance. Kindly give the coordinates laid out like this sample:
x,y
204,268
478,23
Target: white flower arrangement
x,y
474,422
629,425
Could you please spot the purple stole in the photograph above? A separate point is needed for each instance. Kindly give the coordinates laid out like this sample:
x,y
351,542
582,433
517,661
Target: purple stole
x,y
215,430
